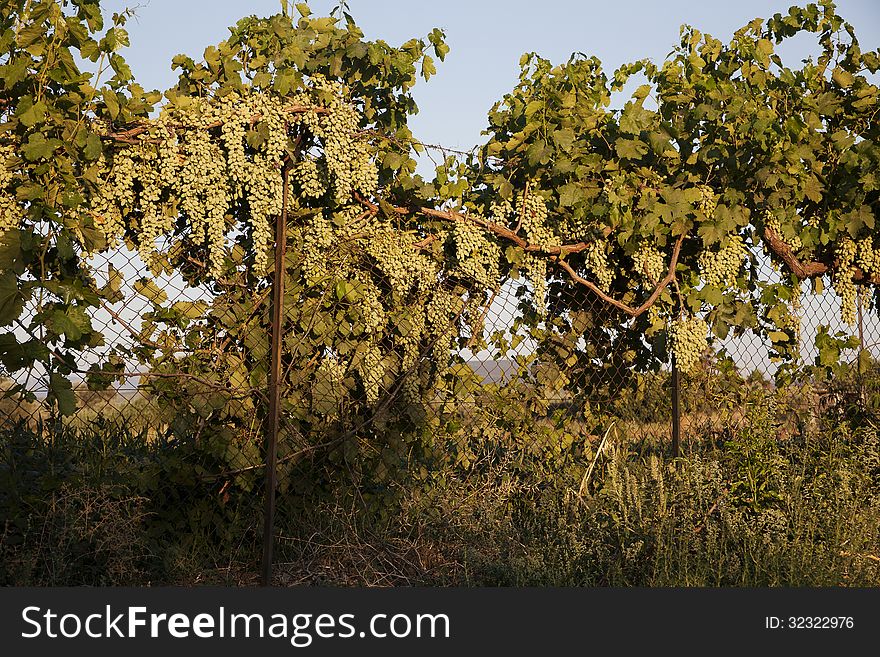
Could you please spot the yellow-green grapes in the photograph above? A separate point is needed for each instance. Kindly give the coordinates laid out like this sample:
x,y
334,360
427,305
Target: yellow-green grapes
x,y
708,201
310,177
477,257
719,268
536,268
688,341
317,239
793,318
372,372
9,211
843,279
372,311
649,263
597,262
868,257
533,220
771,221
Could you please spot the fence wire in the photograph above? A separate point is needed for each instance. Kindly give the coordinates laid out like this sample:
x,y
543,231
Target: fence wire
x,y
185,437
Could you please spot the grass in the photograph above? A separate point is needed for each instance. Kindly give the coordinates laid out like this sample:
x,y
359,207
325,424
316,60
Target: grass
x,y
757,502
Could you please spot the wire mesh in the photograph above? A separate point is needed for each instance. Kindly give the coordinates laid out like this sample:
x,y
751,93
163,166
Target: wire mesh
x,y
175,398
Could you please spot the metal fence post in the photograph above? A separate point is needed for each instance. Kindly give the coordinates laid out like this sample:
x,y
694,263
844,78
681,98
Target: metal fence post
x,y
274,419
676,410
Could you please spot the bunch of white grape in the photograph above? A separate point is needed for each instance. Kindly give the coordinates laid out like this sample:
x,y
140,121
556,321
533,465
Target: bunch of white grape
x,y
333,368
536,268
372,372
771,221
204,193
720,268
115,197
649,263
500,211
597,262
688,341
386,249
533,214
234,116
843,279
156,220
868,257
477,257
8,207
317,238
370,305
708,201
310,178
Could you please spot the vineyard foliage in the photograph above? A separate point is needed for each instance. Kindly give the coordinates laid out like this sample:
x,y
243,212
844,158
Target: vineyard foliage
x,y
631,234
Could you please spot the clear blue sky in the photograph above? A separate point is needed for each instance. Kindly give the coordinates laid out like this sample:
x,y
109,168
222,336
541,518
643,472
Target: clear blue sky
x,y
487,38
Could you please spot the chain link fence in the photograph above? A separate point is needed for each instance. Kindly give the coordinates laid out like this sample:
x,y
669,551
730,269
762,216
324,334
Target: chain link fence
x,y
163,469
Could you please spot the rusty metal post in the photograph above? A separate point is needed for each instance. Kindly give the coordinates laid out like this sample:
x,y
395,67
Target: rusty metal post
x,y
676,410
274,419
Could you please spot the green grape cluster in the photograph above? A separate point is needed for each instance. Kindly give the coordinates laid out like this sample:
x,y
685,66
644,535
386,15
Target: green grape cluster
x,y
440,311
156,220
233,132
688,341
9,211
708,201
204,158
310,177
500,211
536,268
477,257
409,340
390,253
372,371
202,187
867,256
334,369
349,163
372,310
792,319
842,279
116,196
771,221
649,263
532,209
719,268
317,239
352,221
597,262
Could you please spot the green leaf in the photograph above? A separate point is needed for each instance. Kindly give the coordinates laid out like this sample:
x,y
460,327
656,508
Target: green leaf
x,y
38,147
570,194
61,391
93,147
842,77
71,322
15,356
191,309
632,149
813,189
33,114
564,138
112,290
112,102
778,336
428,68
11,299
150,291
